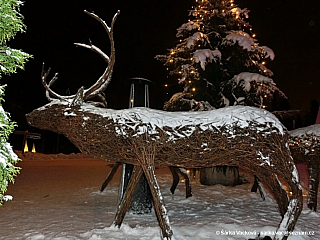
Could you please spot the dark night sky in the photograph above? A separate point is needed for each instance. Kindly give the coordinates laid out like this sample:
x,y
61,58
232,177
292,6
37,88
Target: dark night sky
x,y
144,29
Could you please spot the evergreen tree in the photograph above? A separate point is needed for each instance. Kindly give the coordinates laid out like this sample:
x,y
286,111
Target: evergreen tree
x,y
11,22
218,60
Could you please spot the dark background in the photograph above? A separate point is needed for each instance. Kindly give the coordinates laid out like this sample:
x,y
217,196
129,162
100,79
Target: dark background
x,y
144,29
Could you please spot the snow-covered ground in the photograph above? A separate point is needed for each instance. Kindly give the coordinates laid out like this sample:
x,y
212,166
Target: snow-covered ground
x,y
57,197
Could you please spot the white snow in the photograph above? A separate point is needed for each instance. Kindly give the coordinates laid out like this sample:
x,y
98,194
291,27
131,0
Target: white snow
x,y
152,119
243,39
269,52
189,26
303,132
249,77
7,198
57,197
195,37
206,55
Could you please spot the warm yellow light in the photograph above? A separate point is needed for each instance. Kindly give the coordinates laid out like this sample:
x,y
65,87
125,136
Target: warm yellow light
x,y
192,72
193,89
172,52
180,72
166,85
253,35
33,148
264,106
26,147
263,63
191,59
189,81
171,60
131,100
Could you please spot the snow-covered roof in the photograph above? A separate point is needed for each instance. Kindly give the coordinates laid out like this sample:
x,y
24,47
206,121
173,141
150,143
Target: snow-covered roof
x,y
310,130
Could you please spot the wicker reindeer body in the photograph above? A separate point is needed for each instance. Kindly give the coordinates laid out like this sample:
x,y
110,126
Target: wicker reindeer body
x,y
237,136
147,138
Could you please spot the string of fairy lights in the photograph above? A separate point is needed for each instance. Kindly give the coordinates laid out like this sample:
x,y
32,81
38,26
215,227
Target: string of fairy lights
x,y
308,144
203,12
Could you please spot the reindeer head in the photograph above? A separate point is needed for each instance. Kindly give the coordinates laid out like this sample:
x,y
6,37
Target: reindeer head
x,y
96,90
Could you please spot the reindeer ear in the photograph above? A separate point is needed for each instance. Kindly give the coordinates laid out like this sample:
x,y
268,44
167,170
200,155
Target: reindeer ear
x,y
78,98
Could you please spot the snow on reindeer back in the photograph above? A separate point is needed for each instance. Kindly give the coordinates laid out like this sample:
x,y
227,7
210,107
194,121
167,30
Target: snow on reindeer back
x,y
310,130
183,124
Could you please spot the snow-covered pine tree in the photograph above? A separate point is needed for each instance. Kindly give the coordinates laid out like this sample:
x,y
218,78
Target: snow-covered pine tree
x,y
219,63
11,22
218,60
8,158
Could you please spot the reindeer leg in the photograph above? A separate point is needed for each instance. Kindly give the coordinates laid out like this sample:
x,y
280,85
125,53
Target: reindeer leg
x,y
110,176
294,209
127,197
159,207
257,185
187,181
254,187
279,193
176,178
313,186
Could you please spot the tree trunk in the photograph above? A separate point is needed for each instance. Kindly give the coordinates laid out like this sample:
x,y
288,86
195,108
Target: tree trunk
x,y
225,175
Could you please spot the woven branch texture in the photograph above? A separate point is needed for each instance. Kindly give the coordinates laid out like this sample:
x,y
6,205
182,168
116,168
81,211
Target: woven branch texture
x,y
264,153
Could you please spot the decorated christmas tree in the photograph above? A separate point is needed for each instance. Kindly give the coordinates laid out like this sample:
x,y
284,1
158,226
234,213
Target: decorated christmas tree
x,y
11,22
218,61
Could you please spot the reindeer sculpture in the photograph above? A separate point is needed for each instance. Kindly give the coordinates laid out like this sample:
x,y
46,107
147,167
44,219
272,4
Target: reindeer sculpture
x,y
236,136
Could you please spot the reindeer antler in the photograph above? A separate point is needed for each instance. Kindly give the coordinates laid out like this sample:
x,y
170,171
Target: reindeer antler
x,y
101,84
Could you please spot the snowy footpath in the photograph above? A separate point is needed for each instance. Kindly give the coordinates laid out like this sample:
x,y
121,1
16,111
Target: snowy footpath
x,y
57,197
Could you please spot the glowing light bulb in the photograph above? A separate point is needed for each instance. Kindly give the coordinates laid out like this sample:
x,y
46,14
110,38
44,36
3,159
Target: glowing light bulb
x,y
33,148
193,89
25,147
166,85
